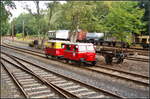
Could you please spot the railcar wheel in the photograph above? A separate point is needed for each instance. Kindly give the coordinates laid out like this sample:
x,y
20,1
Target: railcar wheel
x,y
78,63
108,59
93,63
46,56
66,61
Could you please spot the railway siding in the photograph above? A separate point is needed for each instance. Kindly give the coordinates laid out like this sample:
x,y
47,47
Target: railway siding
x,y
135,77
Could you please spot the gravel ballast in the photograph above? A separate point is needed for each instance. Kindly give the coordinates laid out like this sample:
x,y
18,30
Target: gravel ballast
x,y
89,78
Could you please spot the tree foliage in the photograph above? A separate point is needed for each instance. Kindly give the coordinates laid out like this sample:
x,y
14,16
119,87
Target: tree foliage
x,y
29,24
120,19
4,15
124,19
146,18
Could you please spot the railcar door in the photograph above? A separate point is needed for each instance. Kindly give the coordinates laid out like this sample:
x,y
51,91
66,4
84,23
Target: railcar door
x,y
75,52
52,50
68,52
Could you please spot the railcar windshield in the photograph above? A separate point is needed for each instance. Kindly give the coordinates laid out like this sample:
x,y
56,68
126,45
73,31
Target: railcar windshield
x,y
82,48
90,48
87,48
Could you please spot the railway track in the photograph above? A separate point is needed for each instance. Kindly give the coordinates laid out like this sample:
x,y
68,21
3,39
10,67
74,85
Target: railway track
x,y
14,91
127,76
74,88
124,75
130,51
17,48
30,84
41,54
138,59
140,49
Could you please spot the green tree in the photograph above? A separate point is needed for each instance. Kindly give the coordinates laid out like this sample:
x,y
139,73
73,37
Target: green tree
x,y
119,19
29,24
124,19
146,6
95,20
37,15
5,27
4,15
77,14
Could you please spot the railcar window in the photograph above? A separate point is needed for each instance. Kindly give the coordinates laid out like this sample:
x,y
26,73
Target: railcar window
x,y
53,44
67,47
75,48
62,46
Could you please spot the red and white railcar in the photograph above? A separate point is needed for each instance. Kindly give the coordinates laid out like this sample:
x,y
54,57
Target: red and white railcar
x,y
80,52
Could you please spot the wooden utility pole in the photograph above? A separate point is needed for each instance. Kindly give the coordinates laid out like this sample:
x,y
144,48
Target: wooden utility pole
x,y
23,29
12,31
27,33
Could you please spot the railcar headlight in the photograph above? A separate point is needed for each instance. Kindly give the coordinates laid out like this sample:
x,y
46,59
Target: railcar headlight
x,y
74,54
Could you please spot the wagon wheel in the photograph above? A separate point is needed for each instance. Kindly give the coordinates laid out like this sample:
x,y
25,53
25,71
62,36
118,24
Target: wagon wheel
x,y
119,61
108,59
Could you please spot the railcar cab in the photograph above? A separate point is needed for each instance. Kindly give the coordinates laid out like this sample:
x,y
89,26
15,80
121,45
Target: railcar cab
x,y
54,48
80,53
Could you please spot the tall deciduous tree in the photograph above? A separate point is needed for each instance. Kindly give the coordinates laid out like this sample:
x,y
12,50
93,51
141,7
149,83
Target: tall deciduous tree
x,y
37,15
4,15
146,6
77,13
124,19
52,15
29,24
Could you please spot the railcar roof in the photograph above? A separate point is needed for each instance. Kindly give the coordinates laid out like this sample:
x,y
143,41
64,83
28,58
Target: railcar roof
x,y
70,43
58,31
57,41
52,31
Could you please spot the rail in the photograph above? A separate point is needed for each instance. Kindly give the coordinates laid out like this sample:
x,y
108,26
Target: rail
x,y
70,79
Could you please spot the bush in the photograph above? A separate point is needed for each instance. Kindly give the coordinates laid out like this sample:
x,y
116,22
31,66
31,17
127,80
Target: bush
x,y
31,44
19,35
